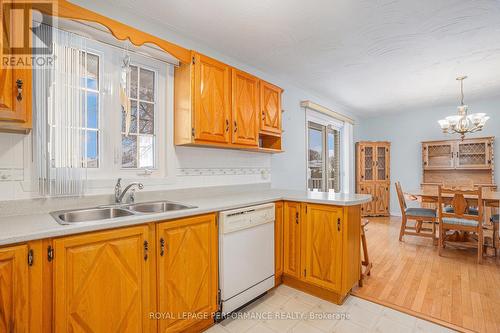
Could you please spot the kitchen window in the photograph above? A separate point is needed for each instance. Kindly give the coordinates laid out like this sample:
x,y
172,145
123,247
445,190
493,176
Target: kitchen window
x,y
323,157
138,143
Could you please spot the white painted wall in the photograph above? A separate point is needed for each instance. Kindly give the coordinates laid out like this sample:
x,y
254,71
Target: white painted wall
x,y
194,166
406,130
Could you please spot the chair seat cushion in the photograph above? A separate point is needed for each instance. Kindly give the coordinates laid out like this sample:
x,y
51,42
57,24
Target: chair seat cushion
x,y
495,218
423,212
459,221
472,210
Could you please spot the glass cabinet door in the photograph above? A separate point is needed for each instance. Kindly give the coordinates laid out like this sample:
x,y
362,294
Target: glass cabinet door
x,y
368,160
438,155
473,154
381,163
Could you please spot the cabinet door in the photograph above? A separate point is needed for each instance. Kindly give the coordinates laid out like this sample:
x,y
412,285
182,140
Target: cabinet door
x,y
438,155
14,106
368,208
187,270
278,241
382,163
382,202
291,238
212,88
102,282
14,301
270,105
367,163
473,154
245,106
323,246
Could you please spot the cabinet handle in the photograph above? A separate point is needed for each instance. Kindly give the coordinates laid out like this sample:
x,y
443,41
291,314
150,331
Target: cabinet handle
x,y
297,218
50,253
19,84
263,115
227,125
146,248
235,127
162,247
338,224
30,257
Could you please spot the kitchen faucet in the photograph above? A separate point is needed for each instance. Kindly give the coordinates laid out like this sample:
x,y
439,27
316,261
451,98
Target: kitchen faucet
x,y
119,194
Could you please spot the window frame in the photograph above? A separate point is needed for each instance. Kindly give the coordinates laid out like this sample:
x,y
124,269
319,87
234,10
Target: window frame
x,y
156,128
110,144
325,130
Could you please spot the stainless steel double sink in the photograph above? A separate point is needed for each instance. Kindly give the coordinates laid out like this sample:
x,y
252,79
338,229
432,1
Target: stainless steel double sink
x,y
114,211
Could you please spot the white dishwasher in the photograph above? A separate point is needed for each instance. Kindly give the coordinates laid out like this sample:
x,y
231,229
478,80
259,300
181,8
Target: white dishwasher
x,y
246,255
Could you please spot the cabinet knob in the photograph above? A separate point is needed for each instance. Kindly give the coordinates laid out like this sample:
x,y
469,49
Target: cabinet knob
x,y
19,84
227,125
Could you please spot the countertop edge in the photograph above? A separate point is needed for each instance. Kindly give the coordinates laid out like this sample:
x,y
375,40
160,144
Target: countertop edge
x,y
59,230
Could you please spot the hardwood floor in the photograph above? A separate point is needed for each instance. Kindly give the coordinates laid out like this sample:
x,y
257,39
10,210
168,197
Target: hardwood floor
x,y
410,276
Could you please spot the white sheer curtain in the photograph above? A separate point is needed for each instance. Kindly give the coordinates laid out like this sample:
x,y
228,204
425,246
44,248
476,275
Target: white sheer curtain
x,y
59,118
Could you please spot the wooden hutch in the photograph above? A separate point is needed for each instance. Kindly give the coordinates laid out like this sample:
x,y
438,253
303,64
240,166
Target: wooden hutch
x,y
468,160
373,176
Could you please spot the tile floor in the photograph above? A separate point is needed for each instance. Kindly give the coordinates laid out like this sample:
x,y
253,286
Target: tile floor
x,y
288,310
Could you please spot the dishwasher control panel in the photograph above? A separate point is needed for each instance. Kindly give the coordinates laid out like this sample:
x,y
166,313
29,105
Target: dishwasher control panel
x,y
243,218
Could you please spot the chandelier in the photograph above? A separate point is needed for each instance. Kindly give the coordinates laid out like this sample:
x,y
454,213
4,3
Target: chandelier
x,y
463,123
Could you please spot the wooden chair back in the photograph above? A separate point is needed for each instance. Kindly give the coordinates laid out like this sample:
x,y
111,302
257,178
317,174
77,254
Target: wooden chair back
x,y
459,203
401,197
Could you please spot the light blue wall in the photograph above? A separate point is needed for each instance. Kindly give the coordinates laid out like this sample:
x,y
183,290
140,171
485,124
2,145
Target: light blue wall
x,y
406,129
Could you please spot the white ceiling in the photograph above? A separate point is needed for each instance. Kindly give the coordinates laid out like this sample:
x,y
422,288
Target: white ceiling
x,y
371,56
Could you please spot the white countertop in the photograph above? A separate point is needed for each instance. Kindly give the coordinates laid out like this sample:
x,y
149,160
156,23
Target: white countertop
x,y
22,228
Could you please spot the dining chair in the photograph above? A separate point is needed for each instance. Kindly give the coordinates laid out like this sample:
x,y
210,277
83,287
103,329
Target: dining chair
x,y
460,184
494,220
419,215
461,220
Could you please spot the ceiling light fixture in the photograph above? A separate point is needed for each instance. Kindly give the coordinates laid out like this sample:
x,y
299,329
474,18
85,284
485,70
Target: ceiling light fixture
x,y
463,123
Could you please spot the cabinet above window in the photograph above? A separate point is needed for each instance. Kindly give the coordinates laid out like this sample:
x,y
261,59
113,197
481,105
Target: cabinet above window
x,y
216,105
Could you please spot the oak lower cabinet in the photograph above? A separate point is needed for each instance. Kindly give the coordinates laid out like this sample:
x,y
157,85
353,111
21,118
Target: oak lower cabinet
x,y
323,255
291,238
103,281
278,242
14,289
187,272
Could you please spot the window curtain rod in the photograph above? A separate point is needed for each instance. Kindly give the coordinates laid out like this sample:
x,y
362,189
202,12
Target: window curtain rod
x,y
327,111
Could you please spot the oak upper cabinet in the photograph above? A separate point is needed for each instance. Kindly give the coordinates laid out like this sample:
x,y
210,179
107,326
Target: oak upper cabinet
x,y
322,246
278,242
15,100
14,289
212,89
291,238
373,175
270,106
15,83
102,282
202,106
245,108
187,271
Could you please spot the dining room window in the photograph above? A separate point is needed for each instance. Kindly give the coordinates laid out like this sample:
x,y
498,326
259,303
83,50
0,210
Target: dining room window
x,y
323,157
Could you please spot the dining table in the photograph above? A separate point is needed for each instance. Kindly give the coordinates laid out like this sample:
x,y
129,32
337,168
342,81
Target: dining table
x,y
430,195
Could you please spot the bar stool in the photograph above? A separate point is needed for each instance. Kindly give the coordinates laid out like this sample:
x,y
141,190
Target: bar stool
x,y
366,260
